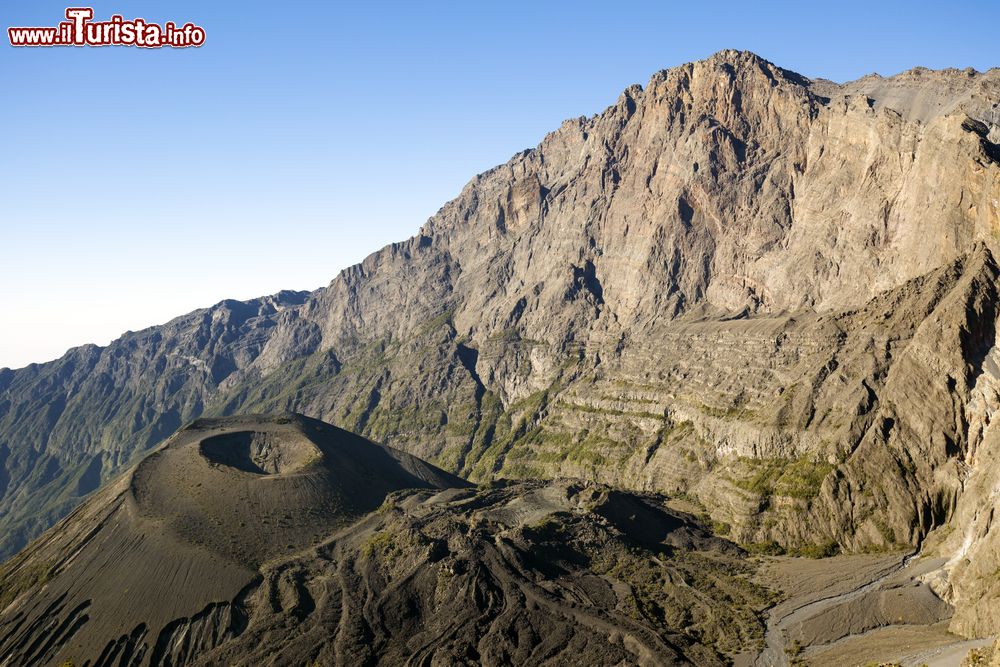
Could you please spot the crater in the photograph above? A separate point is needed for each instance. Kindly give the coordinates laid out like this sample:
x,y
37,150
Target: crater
x,y
259,453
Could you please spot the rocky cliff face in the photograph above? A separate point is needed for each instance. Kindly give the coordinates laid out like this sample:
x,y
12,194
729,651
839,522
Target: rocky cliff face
x,y
774,295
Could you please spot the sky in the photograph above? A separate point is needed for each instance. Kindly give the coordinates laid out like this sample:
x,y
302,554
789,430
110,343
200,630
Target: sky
x,y
137,185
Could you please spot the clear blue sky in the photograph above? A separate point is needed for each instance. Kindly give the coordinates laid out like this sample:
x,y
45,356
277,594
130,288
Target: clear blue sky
x,y
137,185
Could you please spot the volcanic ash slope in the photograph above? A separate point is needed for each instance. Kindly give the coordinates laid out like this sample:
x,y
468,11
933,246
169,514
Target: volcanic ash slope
x,y
284,540
175,539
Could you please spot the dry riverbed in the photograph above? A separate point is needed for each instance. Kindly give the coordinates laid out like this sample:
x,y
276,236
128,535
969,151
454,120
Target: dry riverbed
x,y
856,610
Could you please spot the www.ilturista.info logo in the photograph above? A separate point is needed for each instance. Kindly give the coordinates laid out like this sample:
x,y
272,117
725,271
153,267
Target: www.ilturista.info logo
x,y
80,30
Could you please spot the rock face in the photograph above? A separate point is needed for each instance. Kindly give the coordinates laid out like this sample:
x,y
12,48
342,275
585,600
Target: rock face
x,y
774,295
255,539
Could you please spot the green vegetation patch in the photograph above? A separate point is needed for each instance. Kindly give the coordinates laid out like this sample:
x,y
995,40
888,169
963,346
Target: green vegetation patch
x,y
791,478
16,580
554,447
738,413
498,437
591,409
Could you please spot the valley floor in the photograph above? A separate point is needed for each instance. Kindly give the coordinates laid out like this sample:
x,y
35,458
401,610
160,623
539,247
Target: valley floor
x,y
857,610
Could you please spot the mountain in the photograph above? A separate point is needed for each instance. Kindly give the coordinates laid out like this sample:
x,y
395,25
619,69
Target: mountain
x,y
289,541
770,295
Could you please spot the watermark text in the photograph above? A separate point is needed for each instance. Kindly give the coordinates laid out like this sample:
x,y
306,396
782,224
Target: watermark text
x,y
79,29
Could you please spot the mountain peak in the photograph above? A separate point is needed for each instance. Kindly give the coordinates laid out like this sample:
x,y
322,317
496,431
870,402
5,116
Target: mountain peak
x,y
738,63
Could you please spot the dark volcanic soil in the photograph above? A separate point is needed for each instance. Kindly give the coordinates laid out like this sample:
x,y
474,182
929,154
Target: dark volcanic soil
x,y
258,540
175,540
522,573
